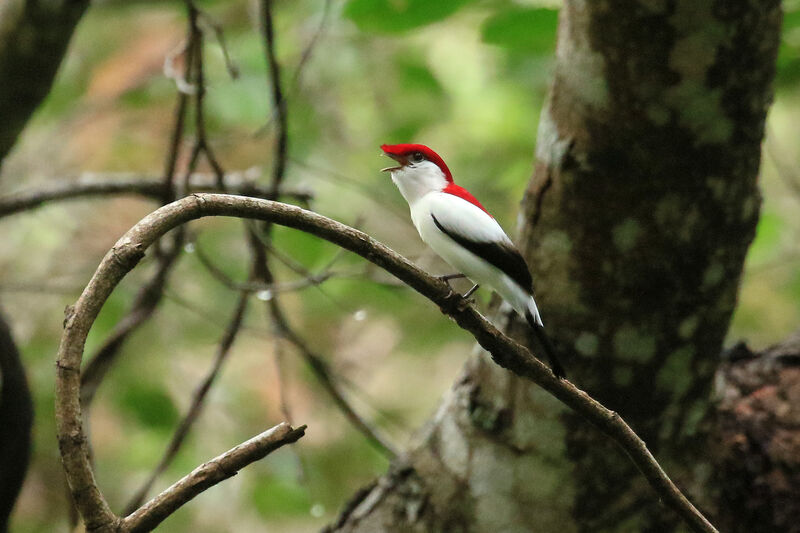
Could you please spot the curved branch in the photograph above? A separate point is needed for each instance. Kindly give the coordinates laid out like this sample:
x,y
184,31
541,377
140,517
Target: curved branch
x,y
505,352
150,187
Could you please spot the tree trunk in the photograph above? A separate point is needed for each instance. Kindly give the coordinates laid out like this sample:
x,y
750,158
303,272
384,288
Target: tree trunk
x,y
636,225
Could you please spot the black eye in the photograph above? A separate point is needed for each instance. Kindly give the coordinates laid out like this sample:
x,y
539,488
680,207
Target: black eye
x,y
417,157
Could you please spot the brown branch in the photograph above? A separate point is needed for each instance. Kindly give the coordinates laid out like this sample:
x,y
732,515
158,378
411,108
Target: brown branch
x,y
259,240
196,406
278,101
147,517
312,45
150,187
216,27
169,190
211,317
288,261
202,144
506,352
305,56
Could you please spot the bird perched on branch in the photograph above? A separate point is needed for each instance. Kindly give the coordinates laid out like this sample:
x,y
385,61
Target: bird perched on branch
x,y
460,230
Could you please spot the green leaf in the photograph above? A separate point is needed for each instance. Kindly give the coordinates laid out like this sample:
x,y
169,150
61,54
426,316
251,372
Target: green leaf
x,y
397,16
788,64
415,75
529,30
149,404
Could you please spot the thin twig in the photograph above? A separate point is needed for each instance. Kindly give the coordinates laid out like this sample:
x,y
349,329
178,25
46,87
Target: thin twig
x,y
168,188
288,261
505,351
278,101
147,517
150,187
310,280
308,51
202,143
370,193
317,364
230,65
209,317
144,306
259,239
213,320
196,405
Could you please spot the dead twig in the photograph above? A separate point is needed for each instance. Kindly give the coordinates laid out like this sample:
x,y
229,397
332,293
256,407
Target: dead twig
x,y
148,516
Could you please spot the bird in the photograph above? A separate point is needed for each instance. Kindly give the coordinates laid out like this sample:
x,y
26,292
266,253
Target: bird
x,y
454,224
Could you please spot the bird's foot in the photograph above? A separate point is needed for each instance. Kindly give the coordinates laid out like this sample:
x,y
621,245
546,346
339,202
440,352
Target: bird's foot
x,y
456,302
447,277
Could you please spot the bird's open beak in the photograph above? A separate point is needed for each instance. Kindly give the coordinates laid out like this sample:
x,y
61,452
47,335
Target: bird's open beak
x,y
400,159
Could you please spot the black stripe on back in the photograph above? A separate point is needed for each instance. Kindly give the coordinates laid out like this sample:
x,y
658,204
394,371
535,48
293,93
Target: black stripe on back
x,y
502,255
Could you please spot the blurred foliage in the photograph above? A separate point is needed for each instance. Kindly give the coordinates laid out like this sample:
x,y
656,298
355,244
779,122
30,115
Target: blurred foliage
x,y
468,78
389,16
529,31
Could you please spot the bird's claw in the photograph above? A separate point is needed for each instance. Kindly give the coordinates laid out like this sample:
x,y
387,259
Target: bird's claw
x,y
455,302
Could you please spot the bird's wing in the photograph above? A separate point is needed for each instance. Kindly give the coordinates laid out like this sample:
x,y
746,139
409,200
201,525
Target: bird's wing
x,y
476,230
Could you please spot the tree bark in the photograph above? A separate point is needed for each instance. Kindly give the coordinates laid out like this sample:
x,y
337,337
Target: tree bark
x,y
636,223
757,449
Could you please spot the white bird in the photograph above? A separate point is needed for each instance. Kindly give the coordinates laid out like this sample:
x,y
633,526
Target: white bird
x,y
463,233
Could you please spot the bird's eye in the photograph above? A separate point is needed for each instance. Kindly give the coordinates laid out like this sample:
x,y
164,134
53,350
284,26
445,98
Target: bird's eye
x,y
417,157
